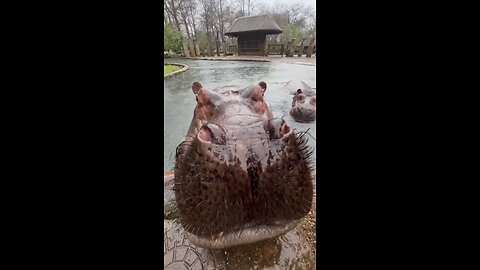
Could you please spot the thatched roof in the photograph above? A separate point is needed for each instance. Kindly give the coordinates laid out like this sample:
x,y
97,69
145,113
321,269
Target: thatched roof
x,y
259,23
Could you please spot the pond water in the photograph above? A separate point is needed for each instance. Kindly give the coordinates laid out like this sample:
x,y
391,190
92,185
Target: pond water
x,y
179,100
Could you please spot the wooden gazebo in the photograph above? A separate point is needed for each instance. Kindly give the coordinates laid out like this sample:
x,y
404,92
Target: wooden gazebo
x,y
252,32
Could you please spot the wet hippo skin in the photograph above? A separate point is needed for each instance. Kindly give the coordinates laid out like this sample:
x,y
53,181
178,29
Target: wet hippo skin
x,y
304,103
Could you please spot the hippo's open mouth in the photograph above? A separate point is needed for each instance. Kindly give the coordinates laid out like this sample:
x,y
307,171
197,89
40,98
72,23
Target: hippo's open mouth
x,y
241,176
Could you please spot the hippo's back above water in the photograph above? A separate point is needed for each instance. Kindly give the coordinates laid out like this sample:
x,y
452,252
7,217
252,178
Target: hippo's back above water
x,y
292,87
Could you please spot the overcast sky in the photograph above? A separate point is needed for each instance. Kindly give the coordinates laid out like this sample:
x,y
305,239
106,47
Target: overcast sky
x,y
311,3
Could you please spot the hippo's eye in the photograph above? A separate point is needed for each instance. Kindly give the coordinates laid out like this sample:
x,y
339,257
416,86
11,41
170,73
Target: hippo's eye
x,y
212,133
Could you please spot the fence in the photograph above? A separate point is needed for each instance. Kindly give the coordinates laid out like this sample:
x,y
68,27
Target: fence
x,y
275,49
280,49
232,49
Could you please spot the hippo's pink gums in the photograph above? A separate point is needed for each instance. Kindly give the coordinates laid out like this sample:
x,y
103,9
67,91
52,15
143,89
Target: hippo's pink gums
x,y
241,176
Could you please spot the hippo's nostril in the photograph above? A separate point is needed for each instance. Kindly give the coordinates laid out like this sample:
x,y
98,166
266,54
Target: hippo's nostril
x,y
205,134
284,129
276,128
212,133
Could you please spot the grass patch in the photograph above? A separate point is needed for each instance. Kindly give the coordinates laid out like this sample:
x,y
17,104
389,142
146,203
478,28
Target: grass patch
x,y
167,69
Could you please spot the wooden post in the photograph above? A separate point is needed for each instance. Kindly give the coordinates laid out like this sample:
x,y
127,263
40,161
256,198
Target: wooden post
x,y
300,49
291,48
310,47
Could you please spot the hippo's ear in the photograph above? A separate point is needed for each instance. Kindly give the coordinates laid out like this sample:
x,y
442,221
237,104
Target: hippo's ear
x,y
196,86
254,92
263,85
205,96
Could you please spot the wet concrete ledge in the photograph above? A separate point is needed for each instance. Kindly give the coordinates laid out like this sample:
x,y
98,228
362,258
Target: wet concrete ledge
x,y
183,69
228,59
271,58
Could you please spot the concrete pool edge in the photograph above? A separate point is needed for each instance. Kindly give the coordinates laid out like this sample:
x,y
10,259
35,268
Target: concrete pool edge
x,y
227,59
275,59
183,69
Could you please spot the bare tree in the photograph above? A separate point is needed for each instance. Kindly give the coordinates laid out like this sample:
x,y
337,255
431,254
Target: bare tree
x,y
183,8
250,6
206,21
192,8
221,22
173,9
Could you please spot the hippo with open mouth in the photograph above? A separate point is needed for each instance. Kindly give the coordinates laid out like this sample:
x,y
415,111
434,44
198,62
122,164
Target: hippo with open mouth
x,y
304,104
241,176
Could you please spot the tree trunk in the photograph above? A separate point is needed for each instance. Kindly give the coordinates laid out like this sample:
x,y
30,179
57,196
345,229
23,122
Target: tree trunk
x,y
291,48
222,29
185,47
192,48
209,41
195,36
207,18
217,43
189,37
173,11
197,48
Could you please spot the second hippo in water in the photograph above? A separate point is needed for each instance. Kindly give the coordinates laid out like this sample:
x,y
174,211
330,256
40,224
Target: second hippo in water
x,y
241,176
304,104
